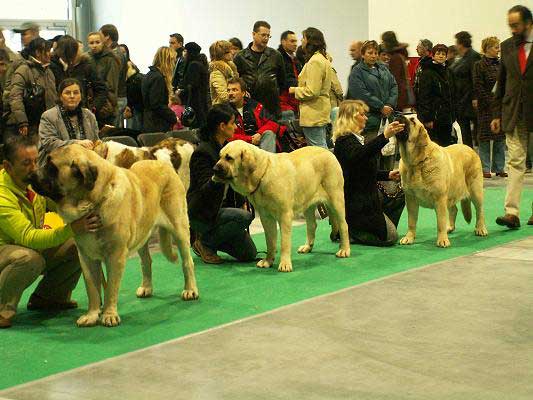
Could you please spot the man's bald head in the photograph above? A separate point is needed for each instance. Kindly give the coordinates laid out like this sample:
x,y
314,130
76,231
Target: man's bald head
x,y
355,50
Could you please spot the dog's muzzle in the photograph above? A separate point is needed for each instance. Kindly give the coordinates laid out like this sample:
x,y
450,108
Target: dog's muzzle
x,y
45,186
403,135
220,173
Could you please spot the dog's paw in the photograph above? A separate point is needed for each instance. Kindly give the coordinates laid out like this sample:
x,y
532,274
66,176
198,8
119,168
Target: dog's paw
x,y
343,253
407,239
110,319
451,229
443,242
264,263
190,294
305,248
87,320
482,231
285,266
144,291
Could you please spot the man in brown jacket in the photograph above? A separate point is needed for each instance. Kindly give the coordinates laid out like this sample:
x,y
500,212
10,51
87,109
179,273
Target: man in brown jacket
x,y
514,107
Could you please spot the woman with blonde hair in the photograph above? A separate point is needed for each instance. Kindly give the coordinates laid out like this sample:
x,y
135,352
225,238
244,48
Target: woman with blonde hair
x,y
372,218
156,89
221,70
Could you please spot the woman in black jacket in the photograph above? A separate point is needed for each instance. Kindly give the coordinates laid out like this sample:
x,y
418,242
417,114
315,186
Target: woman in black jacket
x,y
435,97
195,84
372,217
215,211
156,87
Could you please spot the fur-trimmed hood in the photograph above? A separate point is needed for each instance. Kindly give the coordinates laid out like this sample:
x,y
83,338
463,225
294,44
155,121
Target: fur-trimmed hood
x,y
228,69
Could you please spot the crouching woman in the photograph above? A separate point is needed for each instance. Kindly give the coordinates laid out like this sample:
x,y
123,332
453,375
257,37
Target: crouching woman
x,y
372,217
216,212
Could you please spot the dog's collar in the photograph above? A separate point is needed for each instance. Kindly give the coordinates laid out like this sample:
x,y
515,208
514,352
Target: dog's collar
x,y
260,180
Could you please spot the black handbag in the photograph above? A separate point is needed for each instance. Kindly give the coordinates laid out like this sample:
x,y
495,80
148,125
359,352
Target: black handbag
x,y
34,101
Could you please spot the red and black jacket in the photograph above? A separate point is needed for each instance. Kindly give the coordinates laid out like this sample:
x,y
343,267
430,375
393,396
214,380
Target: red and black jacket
x,y
255,119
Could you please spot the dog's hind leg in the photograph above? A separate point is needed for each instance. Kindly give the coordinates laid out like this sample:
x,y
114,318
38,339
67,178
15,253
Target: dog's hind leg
x,y
285,263
146,289
476,195
310,222
442,222
92,274
182,237
452,214
337,216
412,218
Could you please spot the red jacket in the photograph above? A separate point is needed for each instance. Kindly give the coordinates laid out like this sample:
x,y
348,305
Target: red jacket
x,y
255,119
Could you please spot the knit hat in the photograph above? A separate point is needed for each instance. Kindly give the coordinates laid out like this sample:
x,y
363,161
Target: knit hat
x,y
390,43
193,48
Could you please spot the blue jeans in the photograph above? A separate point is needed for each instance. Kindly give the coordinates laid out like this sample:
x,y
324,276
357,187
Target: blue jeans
x,y
498,155
288,115
315,136
268,141
229,233
122,102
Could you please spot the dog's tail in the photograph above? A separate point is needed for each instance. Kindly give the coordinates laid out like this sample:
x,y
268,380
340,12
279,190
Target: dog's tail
x,y
466,208
165,242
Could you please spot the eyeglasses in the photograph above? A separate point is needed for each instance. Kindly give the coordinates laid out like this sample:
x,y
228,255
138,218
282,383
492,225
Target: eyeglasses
x,y
264,35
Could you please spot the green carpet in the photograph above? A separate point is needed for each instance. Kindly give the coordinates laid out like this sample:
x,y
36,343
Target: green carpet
x,y
43,344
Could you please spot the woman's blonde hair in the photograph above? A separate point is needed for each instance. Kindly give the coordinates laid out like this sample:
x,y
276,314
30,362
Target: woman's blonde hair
x,y
489,42
164,61
346,122
219,49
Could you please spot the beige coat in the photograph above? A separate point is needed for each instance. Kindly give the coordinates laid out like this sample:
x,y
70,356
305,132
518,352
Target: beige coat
x,y
335,95
314,85
220,72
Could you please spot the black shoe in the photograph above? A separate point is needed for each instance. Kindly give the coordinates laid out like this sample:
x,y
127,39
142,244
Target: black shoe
x,y
38,303
508,220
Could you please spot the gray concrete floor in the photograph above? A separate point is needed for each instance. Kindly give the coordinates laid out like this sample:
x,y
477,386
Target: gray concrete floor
x,y
460,329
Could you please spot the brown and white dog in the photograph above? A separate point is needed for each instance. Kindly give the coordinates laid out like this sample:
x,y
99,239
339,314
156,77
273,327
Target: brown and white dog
x,y
176,152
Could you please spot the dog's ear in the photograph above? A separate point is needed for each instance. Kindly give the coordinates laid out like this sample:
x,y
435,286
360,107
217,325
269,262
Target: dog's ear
x,y
423,136
247,159
86,174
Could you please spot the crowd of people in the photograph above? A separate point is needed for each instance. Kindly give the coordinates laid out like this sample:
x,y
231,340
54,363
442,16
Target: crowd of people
x,y
54,94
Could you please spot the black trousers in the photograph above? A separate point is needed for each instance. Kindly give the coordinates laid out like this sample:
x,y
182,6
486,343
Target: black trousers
x,y
442,134
469,137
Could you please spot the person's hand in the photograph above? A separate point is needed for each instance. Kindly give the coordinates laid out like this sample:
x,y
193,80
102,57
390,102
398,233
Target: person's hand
x,y
88,144
429,125
127,113
256,139
495,125
394,175
474,104
89,224
292,90
392,129
387,110
23,130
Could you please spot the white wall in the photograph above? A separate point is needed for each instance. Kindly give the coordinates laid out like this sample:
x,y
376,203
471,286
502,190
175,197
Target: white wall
x,y
439,21
146,28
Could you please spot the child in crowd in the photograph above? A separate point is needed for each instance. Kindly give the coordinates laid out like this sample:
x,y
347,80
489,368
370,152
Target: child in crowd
x,y
177,108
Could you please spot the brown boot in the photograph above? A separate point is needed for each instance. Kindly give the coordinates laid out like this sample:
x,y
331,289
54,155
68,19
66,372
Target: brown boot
x,y
5,323
207,255
508,220
530,221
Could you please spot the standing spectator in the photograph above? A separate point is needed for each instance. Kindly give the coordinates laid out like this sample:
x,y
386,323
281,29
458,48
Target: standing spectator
x,y
373,83
68,61
236,46
178,109
260,62
28,31
336,95
9,57
513,105
398,68
156,89
176,42
108,68
423,50
195,84
355,52
452,54
313,90
66,123
383,56
221,70
485,73
35,70
133,113
216,212
254,124
435,97
293,67
110,34
462,73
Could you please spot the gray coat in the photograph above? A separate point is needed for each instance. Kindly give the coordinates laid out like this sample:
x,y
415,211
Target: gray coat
x,y
53,133
514,90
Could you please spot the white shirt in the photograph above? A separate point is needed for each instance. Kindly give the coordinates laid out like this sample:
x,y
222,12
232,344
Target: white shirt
x,y
529,43
359,138
240,110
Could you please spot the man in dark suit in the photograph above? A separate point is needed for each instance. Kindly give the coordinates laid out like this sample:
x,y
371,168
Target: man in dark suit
x,y
514,107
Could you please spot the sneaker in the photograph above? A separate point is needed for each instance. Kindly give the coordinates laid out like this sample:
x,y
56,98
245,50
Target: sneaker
x,y
206,254
508,220
502,174
487,175
38,303
5,323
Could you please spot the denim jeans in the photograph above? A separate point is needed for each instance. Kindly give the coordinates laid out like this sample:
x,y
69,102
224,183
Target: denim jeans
x,y
122,102
268,141
315,136
229,233
498,155
288,115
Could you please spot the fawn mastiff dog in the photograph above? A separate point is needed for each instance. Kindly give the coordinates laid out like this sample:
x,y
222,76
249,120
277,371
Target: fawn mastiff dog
x,y
281,185
131,203
439,177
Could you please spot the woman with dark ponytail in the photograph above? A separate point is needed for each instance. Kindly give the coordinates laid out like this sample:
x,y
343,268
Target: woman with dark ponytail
x,y
215,211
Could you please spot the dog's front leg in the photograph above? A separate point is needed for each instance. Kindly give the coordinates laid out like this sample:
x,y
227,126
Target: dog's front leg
x,y
271,237
412,218
285,264
146,289
92,274
441,210
115,264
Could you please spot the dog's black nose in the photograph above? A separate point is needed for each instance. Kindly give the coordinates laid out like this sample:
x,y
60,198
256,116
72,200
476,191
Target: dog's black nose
x,y
403,135
219,171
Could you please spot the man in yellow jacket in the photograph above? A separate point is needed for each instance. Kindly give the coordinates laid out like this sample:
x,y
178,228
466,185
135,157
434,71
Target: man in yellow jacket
x,y
26,248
